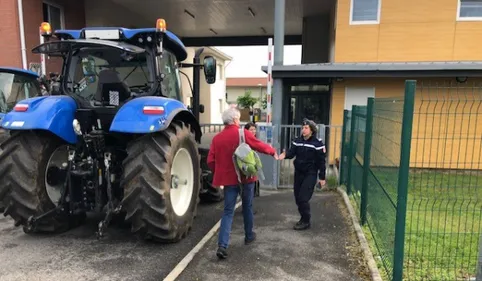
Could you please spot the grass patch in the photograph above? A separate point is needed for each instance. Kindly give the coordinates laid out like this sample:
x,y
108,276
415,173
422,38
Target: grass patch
x,y
443,223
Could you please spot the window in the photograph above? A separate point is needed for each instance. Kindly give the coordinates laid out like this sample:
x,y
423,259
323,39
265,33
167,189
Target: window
x,y
358,96
112,68
171,83
365,11
469,10
14,88
54,15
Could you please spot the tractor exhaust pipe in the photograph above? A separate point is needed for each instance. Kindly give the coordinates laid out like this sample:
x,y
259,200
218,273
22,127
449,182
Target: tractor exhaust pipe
x,y
196,77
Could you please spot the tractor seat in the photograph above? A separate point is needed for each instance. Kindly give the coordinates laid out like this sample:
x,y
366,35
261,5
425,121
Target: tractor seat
x,y
110,89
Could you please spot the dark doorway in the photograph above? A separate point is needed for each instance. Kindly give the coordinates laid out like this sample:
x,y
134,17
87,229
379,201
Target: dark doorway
x,y
307,100
314,106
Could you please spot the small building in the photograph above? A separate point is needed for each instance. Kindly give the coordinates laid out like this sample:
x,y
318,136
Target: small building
x,y
238,86
256,86
211,96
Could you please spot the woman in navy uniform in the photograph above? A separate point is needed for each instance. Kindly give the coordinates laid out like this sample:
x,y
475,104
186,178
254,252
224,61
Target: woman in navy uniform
x,y
309,153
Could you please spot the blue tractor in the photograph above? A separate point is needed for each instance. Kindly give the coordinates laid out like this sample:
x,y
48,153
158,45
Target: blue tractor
x,y
15,84
116,138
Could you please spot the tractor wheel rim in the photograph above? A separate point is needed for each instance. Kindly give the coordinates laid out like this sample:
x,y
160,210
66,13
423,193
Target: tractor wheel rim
x,y
58,160
182,180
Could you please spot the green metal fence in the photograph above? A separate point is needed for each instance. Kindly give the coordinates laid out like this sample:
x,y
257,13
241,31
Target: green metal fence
x,y
412,166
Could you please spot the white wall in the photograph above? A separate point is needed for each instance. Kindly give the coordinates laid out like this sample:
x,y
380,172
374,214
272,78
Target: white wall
x,y
218,101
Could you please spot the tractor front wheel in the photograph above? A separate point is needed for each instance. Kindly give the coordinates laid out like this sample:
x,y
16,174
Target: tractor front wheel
x,y
161,183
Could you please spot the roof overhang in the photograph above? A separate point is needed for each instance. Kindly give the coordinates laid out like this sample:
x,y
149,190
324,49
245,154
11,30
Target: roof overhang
x,y
383,69
235,40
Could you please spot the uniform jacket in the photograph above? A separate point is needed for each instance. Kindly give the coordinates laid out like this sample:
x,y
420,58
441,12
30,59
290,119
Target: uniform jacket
x,y
309,156
220,157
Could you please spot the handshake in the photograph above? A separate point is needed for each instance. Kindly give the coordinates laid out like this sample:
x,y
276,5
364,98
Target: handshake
x,y
280,156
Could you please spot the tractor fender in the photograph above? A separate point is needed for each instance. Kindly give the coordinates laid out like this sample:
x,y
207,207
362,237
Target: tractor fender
x,y
50,113
131,119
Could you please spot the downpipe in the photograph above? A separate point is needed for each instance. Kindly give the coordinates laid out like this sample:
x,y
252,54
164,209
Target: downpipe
x,y
22,34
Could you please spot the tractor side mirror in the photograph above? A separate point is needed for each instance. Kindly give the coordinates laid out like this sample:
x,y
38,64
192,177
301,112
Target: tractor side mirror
x,y
201,108
210,69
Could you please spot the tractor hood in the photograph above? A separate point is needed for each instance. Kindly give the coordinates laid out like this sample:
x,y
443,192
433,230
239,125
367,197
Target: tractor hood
x,y
58,48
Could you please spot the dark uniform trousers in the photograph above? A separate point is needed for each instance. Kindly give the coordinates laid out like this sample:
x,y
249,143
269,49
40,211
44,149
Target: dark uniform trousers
x,y
304,187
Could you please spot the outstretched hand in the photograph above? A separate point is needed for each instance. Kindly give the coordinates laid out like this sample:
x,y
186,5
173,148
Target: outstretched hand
x,y
282,155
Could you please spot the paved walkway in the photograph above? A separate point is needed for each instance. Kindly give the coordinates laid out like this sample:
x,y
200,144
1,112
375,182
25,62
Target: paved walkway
x,y
327,251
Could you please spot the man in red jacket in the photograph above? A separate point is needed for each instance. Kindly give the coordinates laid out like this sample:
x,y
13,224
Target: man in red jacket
x,y
220,161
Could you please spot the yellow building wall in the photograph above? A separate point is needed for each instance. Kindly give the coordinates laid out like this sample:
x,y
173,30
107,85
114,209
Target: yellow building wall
x,y
446,133
409,30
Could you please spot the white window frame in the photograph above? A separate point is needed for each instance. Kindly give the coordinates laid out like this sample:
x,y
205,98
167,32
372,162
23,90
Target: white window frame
x,y
352,22
62,13
459,18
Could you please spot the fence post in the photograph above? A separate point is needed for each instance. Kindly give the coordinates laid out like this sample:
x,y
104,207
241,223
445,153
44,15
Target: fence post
x,y
343,159
366,160
350,151
479,265
403,173
277,164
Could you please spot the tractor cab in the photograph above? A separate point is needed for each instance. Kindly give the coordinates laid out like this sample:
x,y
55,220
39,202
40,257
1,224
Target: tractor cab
x,y
104,68
109,66
16,84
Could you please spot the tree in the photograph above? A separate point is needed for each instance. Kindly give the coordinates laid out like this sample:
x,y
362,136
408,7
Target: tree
x,y
247,101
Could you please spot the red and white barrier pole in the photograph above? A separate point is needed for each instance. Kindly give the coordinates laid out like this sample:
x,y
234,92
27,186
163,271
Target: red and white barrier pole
x,y
270,81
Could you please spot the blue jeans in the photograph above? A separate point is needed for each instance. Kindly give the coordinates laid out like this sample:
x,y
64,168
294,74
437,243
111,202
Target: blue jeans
x,y
230,195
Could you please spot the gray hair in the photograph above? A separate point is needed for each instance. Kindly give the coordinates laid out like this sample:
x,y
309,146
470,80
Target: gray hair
x,y
229,115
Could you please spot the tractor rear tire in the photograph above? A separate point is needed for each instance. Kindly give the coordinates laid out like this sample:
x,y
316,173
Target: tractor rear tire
x,y
23,164
148,183
3,135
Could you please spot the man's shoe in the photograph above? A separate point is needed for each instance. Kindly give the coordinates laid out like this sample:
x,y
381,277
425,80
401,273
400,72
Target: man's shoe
x,y
222,253
247,242
302,226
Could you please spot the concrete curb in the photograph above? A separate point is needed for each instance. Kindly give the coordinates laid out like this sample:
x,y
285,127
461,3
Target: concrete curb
x,y
181,266
372,265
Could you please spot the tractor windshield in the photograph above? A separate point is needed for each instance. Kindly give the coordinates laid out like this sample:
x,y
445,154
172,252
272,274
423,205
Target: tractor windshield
x,y
97,72
15,87
112,75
